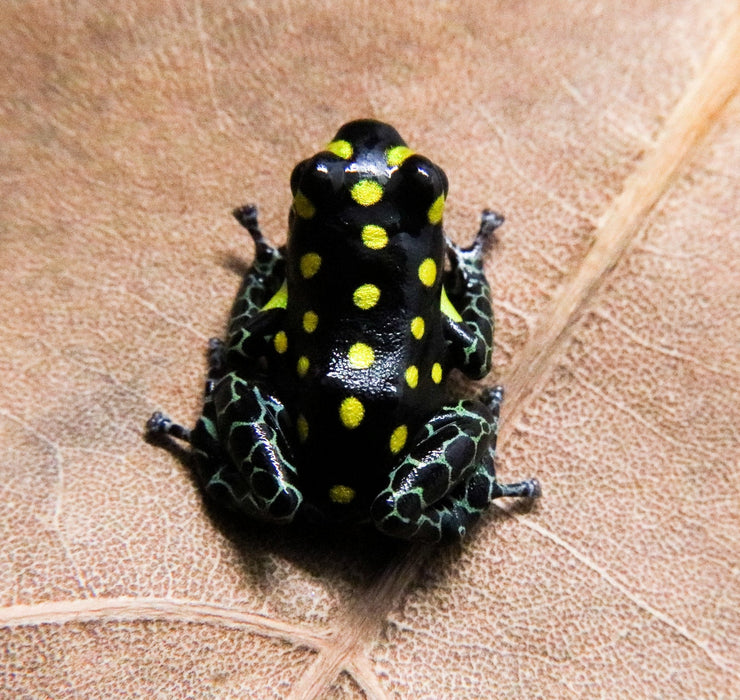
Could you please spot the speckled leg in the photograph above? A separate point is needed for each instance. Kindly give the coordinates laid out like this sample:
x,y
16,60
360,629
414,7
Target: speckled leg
x,y
249,325
264,276
447,479
259,283
243,451
468,290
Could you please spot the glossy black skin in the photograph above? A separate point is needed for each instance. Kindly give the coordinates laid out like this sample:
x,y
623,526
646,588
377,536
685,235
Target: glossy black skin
x,y
274,439
347,263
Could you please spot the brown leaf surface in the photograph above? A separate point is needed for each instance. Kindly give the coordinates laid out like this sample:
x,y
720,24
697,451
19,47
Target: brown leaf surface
x,y
607,133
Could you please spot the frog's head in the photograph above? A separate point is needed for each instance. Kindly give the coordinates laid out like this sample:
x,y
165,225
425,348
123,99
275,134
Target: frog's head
x,y
368,173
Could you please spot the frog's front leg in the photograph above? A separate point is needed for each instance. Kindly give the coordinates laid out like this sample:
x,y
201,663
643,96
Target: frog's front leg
x,y
264,277
469,321
447,479
242,442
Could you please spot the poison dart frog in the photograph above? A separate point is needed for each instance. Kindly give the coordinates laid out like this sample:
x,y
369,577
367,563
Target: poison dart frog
x,y
328,399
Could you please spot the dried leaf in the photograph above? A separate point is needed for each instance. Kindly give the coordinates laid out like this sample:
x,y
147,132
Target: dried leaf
x,y
608,135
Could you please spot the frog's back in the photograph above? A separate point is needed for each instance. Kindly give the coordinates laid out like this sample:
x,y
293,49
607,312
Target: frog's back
x,y
361,357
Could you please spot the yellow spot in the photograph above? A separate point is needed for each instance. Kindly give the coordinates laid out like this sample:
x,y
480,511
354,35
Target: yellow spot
x,y
310,264
367,192
435,211
303,206
279,300
398,438
428,272
374,237
447,308
351,411
302,426
366,296
412,376
341,494
361,356
310,321
280,341
340,148
436,373
417,327
396,155
303,365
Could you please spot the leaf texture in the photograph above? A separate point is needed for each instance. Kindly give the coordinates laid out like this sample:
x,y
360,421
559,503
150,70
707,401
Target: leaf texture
x,y
608,135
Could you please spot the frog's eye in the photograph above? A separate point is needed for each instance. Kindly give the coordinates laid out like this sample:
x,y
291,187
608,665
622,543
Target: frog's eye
x,y
424,187
316,182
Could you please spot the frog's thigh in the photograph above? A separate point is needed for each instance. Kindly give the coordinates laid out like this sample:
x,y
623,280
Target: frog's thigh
x,y
446,479
251,466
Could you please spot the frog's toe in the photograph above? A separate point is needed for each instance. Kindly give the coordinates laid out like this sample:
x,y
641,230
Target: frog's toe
x,y
161,424
535,488
247,216
156,423
530,488
493,397
489,222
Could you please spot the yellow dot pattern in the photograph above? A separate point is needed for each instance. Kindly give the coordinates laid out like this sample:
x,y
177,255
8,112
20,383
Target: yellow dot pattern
x,y
436,210
302,427
361,356
340,148
341,494
396,155
417,327
310,264
366,296
428,272
303,365
412,376
310,321
436,373
303,206
280,341
398,439
374,237
367,192
351,412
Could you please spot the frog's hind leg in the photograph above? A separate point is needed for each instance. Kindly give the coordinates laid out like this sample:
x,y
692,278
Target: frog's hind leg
x,y
447,479
243,448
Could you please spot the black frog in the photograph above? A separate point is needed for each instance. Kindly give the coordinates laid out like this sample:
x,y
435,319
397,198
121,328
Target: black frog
x,y
328,399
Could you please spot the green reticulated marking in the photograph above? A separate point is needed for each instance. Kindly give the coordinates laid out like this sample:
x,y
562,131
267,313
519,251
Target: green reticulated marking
x,y
210,427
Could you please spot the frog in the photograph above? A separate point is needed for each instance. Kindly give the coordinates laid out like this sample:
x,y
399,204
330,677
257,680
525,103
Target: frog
x,y
329,399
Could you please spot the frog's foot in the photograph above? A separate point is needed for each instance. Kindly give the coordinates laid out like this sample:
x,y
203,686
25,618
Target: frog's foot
x,y
246,215
244,452
161,424
484,238
493,397
530,488
447,479
489,222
